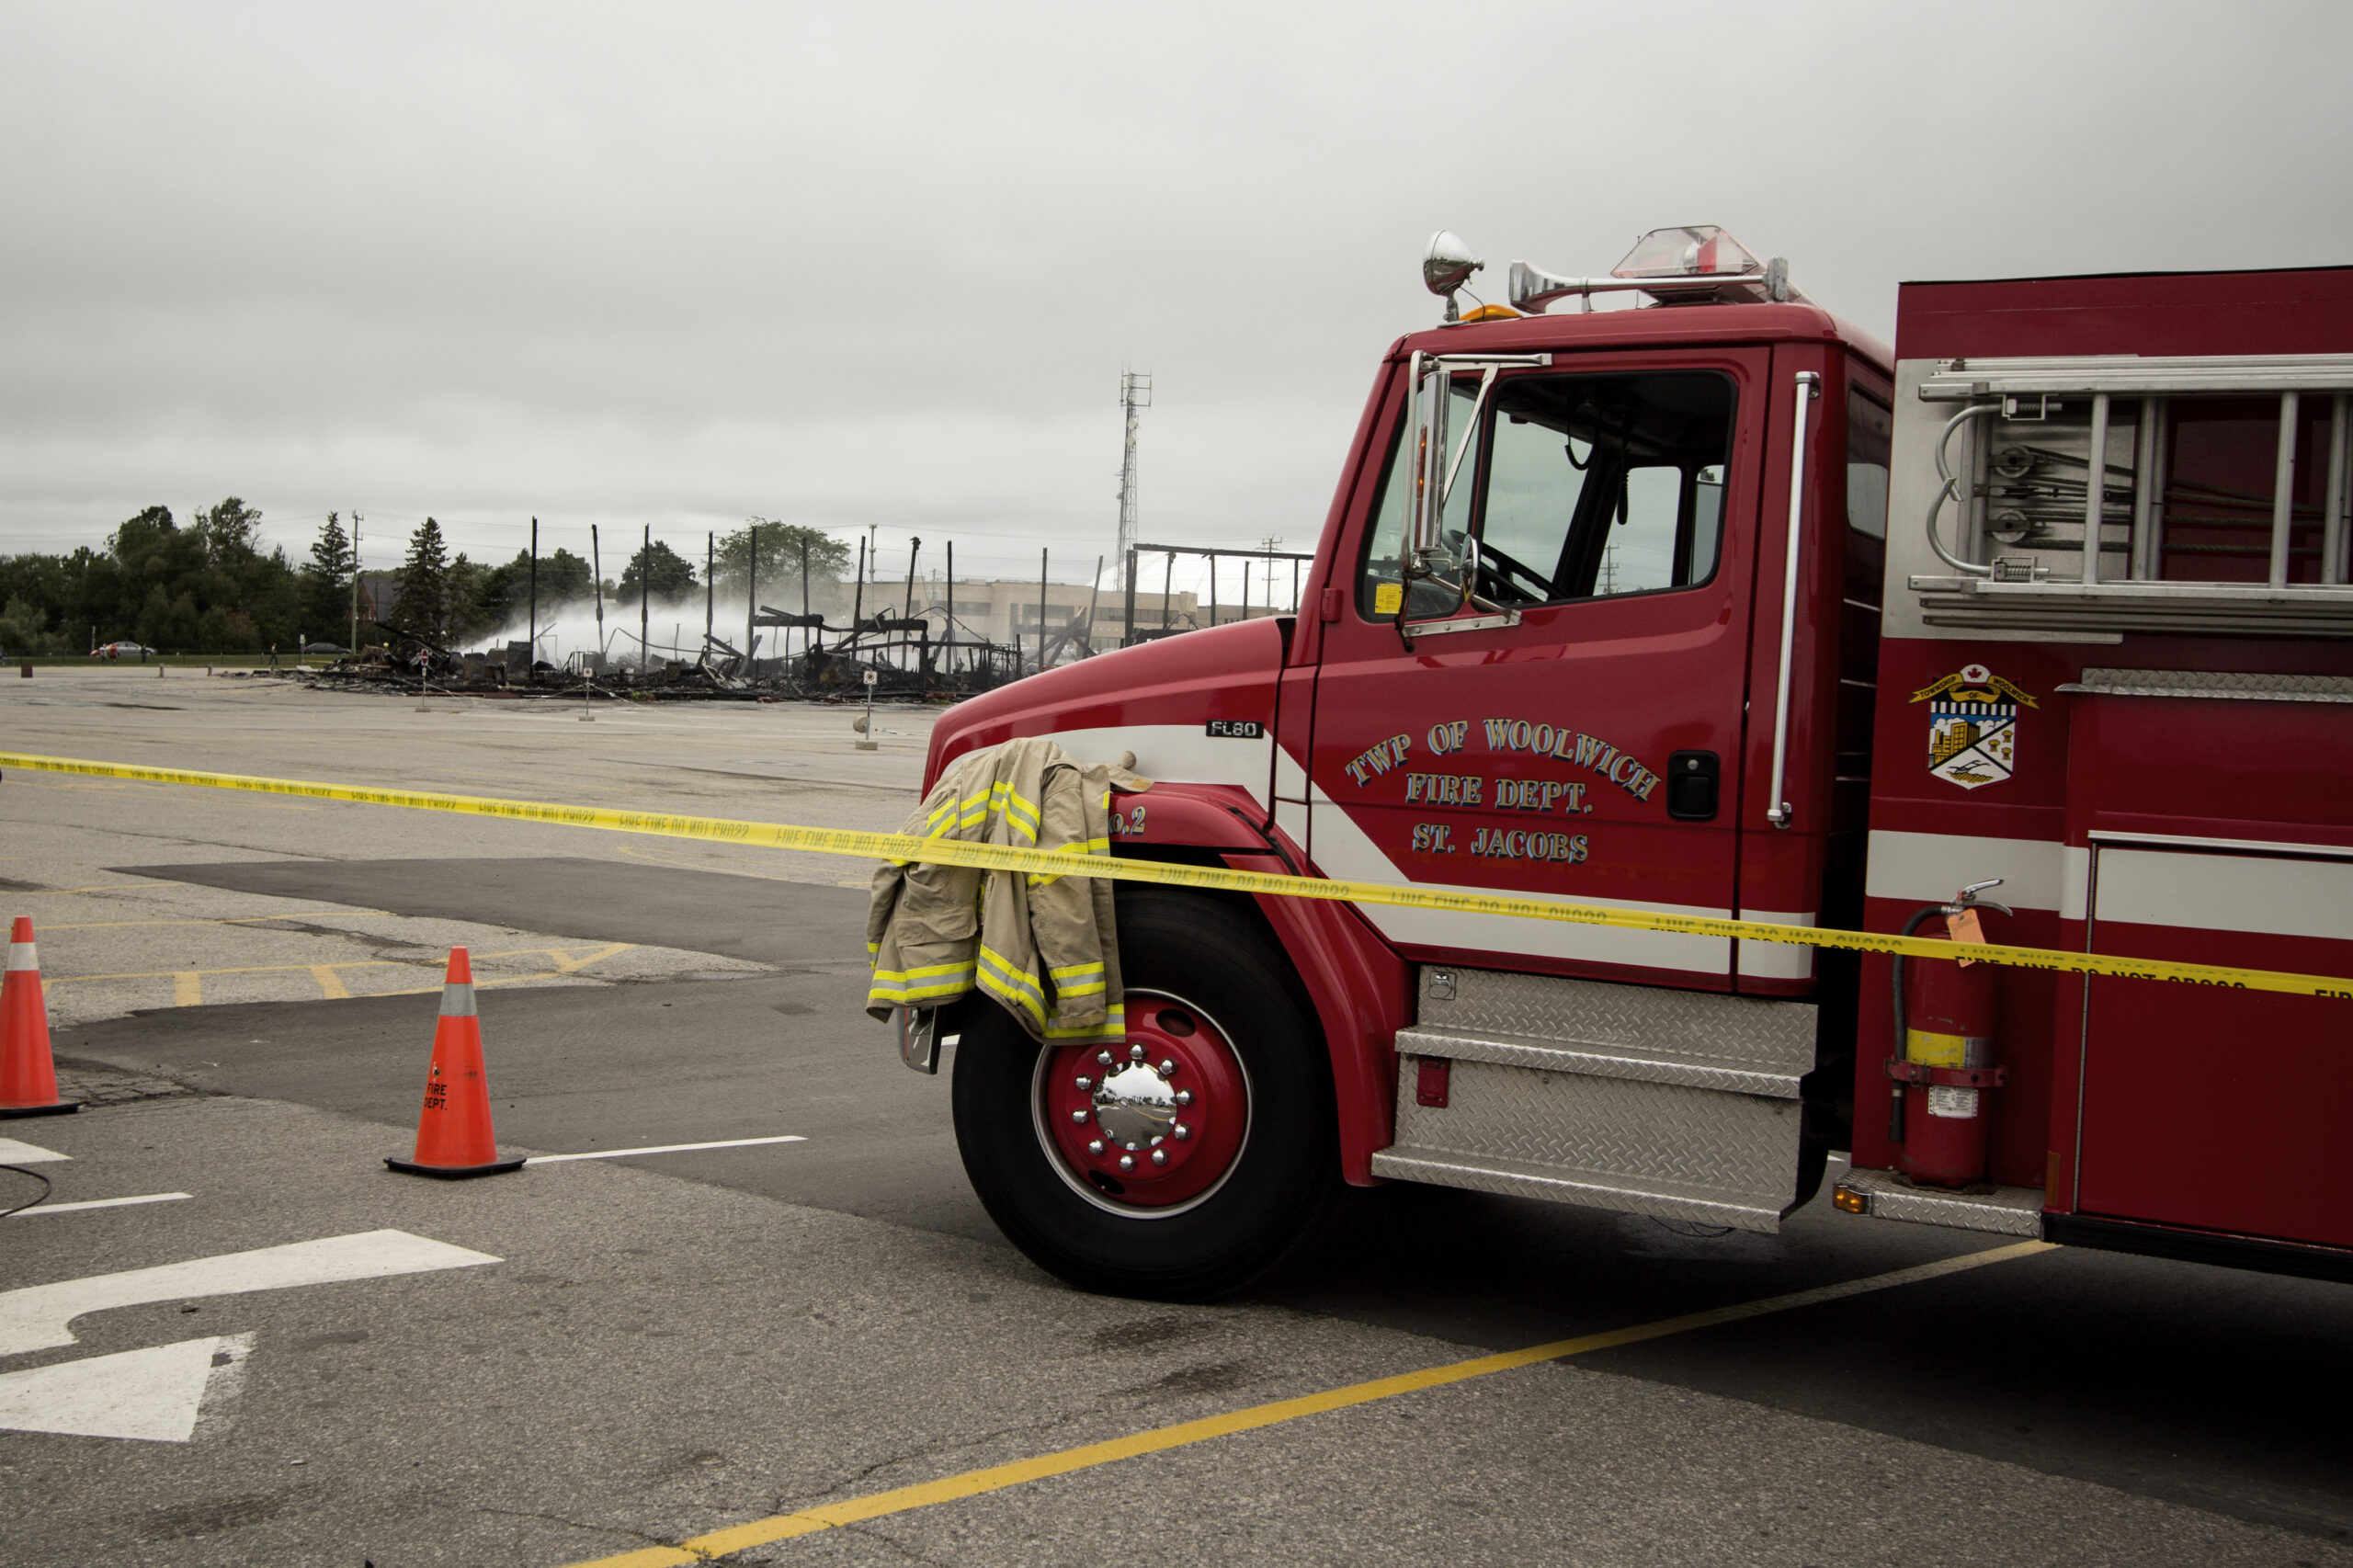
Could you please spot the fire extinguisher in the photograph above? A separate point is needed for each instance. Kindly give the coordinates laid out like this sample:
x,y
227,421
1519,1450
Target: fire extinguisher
x,y
1944,1034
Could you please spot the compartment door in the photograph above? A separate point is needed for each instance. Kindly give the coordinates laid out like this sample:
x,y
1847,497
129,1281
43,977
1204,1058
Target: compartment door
x,y
2224,1110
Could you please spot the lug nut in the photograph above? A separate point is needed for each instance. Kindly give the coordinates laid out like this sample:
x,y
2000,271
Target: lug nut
x,y
1160,1156
1184,1097
1096,1147
1104,1057
1135,1053
1085,1082
1168,1066
1127,1162
1181,1130
1079,1115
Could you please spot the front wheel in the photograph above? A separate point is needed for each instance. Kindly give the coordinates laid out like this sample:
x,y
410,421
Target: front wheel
x,y
1181,1162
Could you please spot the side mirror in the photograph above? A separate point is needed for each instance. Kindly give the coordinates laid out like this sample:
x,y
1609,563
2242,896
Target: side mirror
x,y
1432,397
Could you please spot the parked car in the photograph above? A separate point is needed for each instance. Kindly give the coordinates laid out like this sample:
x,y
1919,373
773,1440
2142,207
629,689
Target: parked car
x,y
120,651
322,648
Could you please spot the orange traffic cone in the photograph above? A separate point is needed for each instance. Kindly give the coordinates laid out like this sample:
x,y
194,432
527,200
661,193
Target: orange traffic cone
x,y
453,1137
28,1077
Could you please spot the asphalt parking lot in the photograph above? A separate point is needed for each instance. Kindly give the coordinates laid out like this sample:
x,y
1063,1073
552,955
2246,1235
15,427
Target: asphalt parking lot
x,y
820,1351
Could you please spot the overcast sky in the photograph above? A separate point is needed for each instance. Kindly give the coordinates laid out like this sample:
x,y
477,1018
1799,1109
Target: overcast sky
x,y
844,265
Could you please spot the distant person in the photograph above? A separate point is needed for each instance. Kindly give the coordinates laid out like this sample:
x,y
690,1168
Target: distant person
x,y
273,655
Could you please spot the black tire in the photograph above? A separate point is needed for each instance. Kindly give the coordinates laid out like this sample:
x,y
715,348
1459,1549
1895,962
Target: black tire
x,y
1200,953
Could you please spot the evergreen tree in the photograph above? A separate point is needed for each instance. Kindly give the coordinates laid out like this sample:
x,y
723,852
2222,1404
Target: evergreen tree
x,y
423,604
326,583
332,559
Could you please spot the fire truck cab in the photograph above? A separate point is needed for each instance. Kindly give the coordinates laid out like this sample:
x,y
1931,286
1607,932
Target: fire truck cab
x,y
1717,606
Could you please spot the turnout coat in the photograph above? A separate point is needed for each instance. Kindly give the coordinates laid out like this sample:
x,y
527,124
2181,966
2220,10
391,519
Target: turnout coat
x,y
1044,948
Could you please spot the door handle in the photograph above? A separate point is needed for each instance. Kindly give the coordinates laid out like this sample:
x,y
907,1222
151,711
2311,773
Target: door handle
x,y
1809,387
1692,786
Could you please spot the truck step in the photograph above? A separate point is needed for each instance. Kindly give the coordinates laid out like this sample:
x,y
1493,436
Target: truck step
x,y
1678,1104
1557,1184
2003,1210
1739,1044
1655,1066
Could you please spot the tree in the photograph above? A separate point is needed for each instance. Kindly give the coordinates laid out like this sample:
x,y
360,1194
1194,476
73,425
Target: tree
x,y
229,531
663,571
423,605
204,588
779,562
327,583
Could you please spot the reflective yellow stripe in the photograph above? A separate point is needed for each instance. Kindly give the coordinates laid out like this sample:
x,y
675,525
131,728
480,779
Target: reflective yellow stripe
x,y
1113,1027
999,965
881,995
1217,879
925,973
1071,972
1021,999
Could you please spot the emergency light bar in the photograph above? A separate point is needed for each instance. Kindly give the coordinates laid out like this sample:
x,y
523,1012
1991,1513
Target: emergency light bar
x,y
1698,264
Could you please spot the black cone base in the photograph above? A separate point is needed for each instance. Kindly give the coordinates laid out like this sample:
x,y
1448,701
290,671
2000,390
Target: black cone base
x,y
451,1172
63,1107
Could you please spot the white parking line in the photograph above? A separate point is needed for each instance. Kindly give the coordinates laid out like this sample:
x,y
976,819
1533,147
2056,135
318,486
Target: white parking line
x,y
663,1149
41,1209
15,1154
38,1317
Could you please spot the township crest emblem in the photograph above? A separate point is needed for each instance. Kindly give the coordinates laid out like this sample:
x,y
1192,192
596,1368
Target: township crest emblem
x,y
1973,727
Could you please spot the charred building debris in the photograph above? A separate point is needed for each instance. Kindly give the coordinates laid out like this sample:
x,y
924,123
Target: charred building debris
x,y
922,640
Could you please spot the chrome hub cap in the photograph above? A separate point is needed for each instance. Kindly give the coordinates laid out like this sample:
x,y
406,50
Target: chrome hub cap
x,y
1152,1127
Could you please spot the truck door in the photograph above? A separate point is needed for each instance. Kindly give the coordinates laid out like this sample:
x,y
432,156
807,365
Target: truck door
x,y
1574,729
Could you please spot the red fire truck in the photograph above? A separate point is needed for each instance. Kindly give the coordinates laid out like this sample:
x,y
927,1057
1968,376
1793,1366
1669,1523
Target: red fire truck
x,y
2036,626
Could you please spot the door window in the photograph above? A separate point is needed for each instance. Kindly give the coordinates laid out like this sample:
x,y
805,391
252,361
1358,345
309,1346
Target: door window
x,y
1584,487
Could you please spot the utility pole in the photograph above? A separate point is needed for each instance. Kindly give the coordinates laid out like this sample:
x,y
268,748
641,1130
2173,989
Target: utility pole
x,y
531,659
710,587
354,582
1093,598
1135,395
597,577
1041,612
1269,544
645,582
751,595
914,548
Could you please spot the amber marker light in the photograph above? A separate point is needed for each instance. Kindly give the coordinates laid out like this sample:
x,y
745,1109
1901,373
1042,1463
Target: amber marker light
x,y
1847,1200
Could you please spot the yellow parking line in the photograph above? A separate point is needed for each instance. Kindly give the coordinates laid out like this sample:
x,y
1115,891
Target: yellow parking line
x,y
102,887
189,983
254,969
564,964
996,1478
224,920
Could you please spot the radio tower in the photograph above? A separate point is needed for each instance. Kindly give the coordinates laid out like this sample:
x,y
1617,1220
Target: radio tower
x,y
1135,395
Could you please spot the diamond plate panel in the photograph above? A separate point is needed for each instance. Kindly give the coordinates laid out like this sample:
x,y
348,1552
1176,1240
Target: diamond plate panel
x,y
2003,1210
1665,1200
1626,1021
2242,684
1513,1050
1619,1132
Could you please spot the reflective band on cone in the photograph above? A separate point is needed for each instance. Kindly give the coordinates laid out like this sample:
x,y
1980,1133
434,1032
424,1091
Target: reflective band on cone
x,y
28,1076
453,1135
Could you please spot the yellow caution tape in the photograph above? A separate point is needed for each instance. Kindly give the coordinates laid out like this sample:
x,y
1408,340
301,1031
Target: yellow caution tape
x,y
906,848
